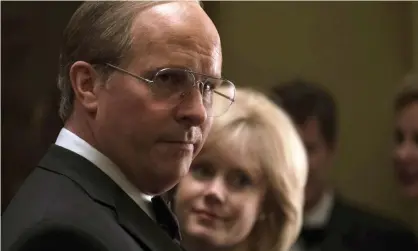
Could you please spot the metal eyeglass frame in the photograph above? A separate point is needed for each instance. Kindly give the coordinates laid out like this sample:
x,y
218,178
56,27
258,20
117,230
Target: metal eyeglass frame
x,y
148,81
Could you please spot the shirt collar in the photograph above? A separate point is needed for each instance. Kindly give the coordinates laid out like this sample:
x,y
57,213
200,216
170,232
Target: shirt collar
x,y
320,214
72,142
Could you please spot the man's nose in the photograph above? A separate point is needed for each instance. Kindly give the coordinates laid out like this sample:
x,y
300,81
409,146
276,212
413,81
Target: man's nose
x,y
191,111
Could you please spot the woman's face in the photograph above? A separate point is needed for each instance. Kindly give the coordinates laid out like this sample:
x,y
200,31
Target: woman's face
x,y
218,202
406,149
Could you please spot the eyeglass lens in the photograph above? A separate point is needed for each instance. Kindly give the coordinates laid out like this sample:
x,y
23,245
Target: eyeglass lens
x,y
175,84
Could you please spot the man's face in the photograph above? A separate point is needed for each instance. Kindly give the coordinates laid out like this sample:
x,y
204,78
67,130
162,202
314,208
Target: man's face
x,y
152,141
320,157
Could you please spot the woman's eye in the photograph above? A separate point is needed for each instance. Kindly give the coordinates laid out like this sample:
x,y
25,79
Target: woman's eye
x,y
399,137
202,171
240,180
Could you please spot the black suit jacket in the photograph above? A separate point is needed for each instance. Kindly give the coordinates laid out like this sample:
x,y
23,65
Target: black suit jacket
x,y
67,203
353,229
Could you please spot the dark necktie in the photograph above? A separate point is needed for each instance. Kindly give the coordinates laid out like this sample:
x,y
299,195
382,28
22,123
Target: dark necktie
x,y
165,218
312,237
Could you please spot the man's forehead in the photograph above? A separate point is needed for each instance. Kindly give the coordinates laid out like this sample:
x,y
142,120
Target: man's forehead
x,y
174,12
312,124
174,18
407,117
193,45
309,129
166,55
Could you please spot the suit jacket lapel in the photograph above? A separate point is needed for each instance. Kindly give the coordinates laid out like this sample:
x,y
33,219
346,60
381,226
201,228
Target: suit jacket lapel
x,y
142,227
340,229
91,179
165,218
129,215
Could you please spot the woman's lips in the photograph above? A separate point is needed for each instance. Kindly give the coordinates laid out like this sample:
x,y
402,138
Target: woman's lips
x,y
206,214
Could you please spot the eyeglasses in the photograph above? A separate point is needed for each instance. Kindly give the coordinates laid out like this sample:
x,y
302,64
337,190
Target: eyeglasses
x,y
173,85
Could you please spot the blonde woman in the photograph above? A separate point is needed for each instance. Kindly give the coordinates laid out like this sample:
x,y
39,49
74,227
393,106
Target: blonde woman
x,y
245,190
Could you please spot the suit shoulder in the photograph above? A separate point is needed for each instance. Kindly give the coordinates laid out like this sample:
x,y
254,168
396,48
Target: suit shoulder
x,y
365,228
363,214
43,193
370,221
49,203
57,236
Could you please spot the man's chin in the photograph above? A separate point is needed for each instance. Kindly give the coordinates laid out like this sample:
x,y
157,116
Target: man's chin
x,y
166,177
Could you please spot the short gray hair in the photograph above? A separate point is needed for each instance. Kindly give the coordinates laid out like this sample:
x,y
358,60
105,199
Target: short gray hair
x,y
99,32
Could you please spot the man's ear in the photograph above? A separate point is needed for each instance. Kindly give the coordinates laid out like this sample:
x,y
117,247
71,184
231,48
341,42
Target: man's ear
x,y
83,80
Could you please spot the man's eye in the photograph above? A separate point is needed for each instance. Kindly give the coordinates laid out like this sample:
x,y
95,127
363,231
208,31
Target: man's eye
x,y
172,77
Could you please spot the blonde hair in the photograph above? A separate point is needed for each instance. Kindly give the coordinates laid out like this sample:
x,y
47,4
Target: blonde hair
x,y
255,125
408,92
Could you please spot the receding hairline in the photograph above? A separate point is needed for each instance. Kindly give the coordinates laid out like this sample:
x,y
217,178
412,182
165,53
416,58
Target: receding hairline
x,y
174,29
143,21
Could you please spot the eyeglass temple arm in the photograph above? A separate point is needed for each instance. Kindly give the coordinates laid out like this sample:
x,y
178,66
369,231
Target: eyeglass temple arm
x,y
223,95
128,73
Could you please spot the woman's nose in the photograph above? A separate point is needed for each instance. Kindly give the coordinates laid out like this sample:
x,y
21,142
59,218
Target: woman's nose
x,y
403,151
216,191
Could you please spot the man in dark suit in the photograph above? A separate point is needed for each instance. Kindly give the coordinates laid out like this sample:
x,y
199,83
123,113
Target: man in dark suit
x,y
330,222
138,83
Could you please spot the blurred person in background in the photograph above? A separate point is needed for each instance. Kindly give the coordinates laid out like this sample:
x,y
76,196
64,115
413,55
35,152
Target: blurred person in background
x,y
331,223
245,189
406,136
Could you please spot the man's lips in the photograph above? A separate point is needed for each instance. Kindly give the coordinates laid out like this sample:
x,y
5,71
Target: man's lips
x,y
184,145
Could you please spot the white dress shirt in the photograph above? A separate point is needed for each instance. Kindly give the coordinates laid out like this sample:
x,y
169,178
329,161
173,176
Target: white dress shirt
x,y
72,142
317,217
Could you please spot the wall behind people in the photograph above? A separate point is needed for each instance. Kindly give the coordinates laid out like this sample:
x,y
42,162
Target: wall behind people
x,y
414,10
31,33
359,50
